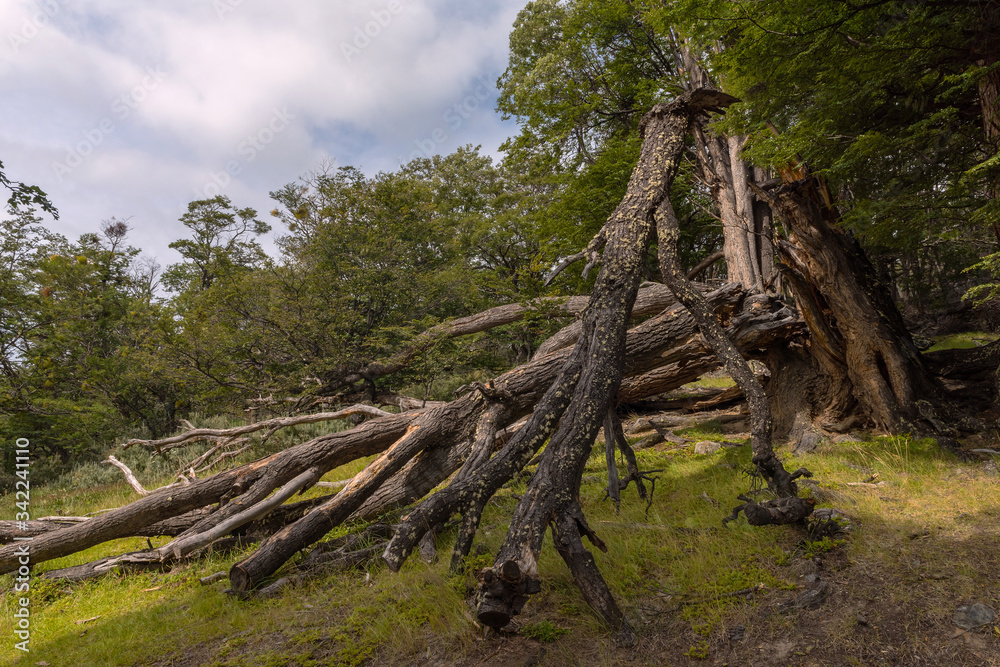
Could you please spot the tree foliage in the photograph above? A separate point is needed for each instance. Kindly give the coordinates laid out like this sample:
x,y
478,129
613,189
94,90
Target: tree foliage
x,y
889,101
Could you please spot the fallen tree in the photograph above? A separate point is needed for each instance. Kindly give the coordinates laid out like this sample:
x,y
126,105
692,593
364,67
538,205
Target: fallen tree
x,y
482,439
663,353
568,394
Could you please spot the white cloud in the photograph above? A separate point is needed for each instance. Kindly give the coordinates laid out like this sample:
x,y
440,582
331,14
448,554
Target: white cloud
x,y
162,97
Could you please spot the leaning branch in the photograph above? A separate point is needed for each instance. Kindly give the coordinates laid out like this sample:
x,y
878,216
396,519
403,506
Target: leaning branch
x,y
129,477
590,253
271,425
184,545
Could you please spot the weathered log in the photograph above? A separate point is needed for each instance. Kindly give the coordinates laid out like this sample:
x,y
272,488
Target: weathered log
x,y
653,298
668,339
427,429
776,512
482,448
184,545
596,367
648,344
418,477
168,527
254,481
135,561
154,558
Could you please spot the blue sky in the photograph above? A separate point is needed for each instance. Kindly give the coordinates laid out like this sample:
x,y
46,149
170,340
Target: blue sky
x,y
131,110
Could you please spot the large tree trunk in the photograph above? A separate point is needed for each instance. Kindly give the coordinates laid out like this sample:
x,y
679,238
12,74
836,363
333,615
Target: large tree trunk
x,y
860,357
858,339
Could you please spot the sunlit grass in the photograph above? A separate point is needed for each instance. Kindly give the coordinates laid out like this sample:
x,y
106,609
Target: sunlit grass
x,y
674,560
709,382
962,341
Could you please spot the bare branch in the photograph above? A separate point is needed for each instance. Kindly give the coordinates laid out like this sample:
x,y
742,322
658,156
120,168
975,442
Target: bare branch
x,y
184,545
129,477
272,425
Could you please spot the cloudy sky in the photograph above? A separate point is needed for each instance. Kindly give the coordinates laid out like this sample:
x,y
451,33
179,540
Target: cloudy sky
x,y
117,108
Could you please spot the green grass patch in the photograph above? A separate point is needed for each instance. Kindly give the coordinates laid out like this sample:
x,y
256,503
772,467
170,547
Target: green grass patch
x,y
543,631
674,560
962,341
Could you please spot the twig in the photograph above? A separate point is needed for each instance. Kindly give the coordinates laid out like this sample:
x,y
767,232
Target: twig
x,y
279,422
212,578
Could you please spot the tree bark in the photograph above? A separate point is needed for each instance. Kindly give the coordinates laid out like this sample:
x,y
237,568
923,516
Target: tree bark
x,y
596,368
858,335
745,221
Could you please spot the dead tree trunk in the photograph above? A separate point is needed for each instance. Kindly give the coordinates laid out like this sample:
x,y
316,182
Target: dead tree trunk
x,y
858,339
746,221
668,234
595,372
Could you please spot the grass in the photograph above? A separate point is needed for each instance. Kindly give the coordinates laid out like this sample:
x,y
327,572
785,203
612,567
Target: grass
x,y
962,341
673,568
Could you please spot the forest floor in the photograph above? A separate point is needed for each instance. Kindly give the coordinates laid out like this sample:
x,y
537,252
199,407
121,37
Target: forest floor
x,y
922,543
